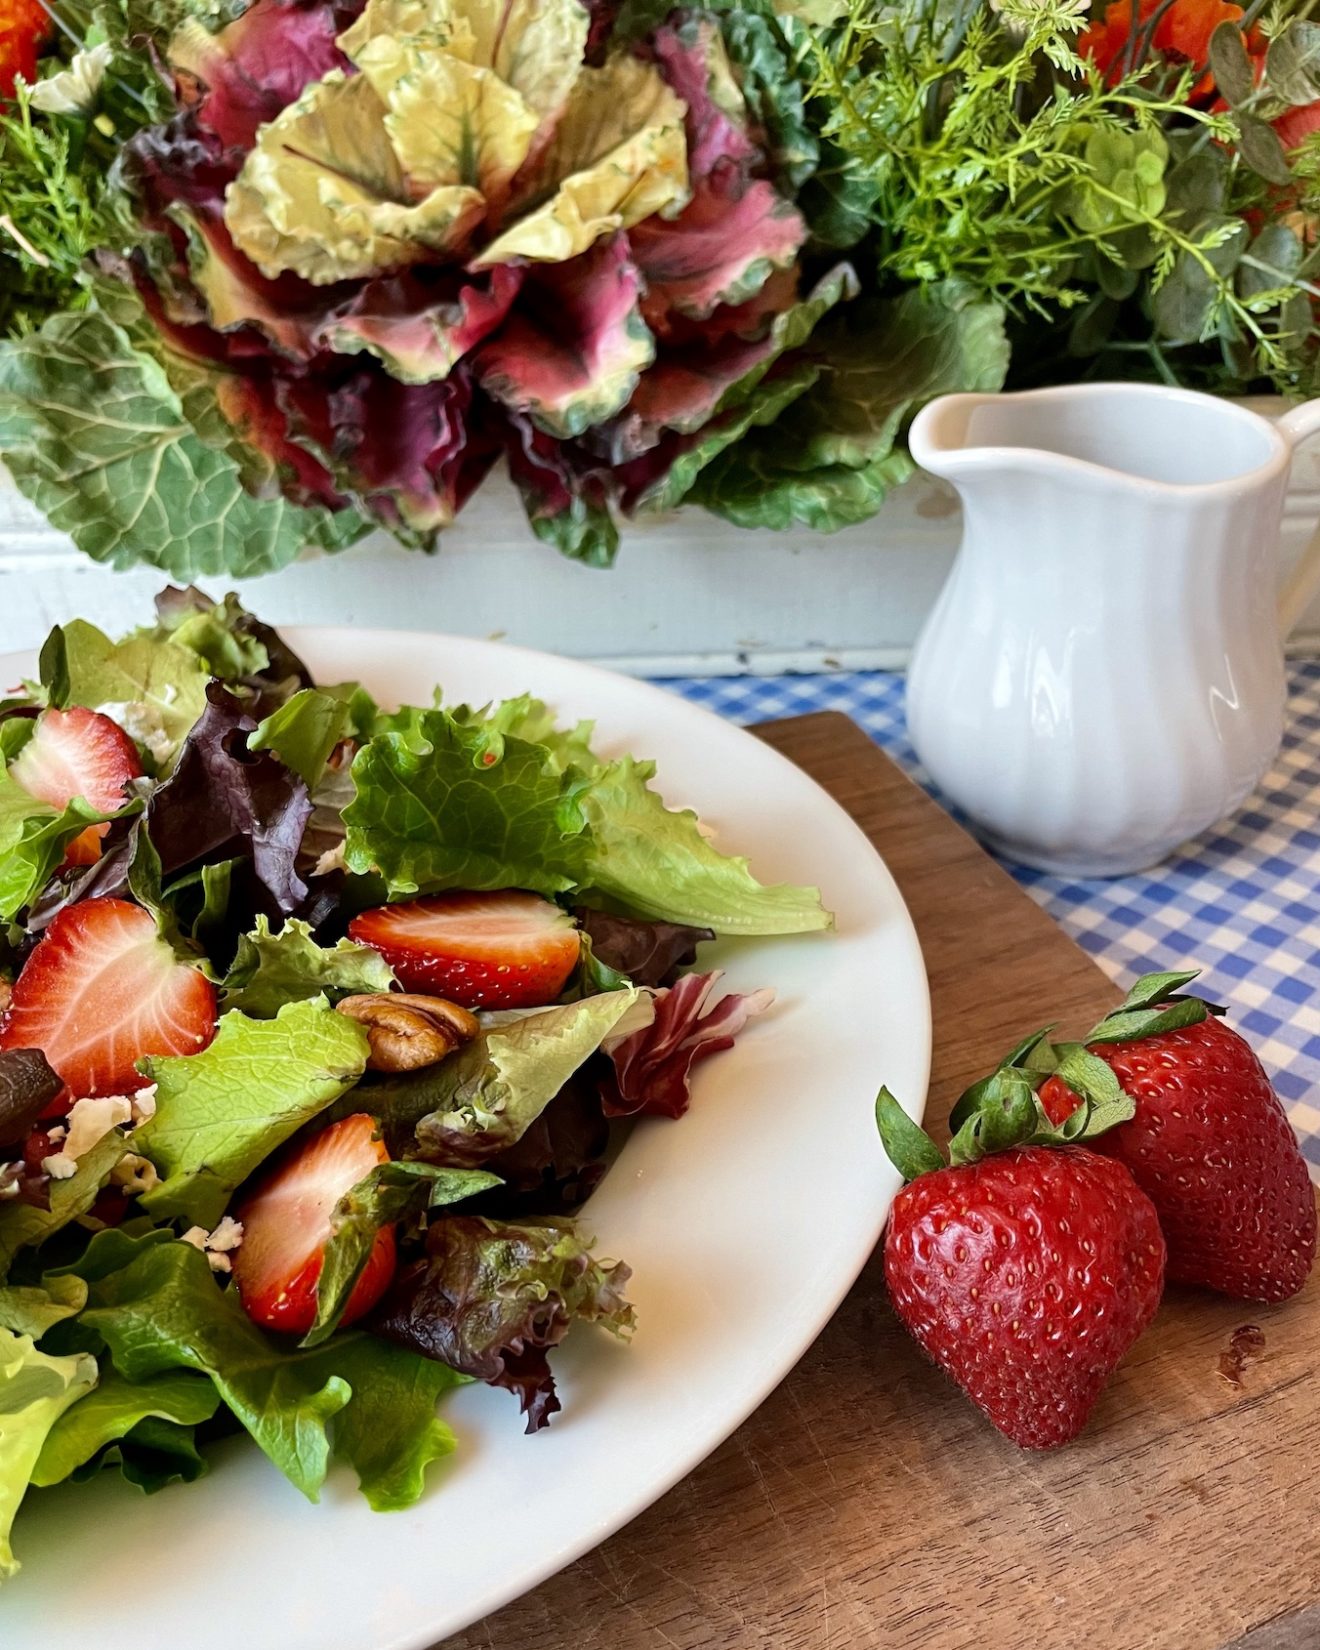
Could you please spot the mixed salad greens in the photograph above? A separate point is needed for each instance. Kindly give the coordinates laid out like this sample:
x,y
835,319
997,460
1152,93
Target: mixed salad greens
x,y
317,1021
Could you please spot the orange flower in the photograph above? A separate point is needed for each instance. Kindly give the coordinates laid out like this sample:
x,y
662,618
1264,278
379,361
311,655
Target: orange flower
x,y
1295,124
24,25
1182,33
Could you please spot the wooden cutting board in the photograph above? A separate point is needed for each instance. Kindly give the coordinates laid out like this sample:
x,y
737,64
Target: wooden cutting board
x,y
867,1506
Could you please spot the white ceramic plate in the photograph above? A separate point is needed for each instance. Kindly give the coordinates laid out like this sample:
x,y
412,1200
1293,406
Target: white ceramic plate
x,y
745,1224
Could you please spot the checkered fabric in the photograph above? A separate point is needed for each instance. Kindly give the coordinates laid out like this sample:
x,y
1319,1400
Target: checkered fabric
x,y
1242,902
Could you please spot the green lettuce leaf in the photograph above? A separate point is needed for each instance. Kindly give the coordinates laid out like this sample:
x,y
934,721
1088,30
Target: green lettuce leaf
x,y
222,634
35,1390
491,1299
125,471
391,1192
164,1312
651,860
149,679
221,1112
110,1412
485,1097
270,970
657,863
834,462
31,1309
389,1432
151,1455
441,805
23,1227
303,732
33,838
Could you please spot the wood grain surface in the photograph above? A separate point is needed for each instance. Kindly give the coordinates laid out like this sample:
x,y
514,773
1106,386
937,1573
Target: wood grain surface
x,y
866,1505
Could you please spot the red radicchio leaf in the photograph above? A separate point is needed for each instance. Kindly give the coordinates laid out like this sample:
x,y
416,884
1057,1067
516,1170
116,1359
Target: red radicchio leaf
x,y
649,953
651,1068
491,1299
221,802
257,65
27,1086
558,1160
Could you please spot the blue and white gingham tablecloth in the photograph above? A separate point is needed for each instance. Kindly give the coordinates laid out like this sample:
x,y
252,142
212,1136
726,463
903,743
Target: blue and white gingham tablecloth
x,y
1242,903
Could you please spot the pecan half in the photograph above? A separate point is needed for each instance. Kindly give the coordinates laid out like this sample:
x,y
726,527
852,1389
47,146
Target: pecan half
x,y
406,1030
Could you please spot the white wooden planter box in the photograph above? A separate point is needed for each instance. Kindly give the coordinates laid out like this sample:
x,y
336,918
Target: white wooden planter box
x,y
689,593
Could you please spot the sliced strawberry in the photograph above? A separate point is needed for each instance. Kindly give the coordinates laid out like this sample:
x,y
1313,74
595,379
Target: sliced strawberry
x,y
503,950
286,1226
73,753
102,989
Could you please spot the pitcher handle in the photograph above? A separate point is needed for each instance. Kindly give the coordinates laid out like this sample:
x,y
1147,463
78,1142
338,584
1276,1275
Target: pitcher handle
x,y
1302,584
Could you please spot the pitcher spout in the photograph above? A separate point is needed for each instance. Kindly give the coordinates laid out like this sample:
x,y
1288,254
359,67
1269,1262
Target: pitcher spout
x,y
940,439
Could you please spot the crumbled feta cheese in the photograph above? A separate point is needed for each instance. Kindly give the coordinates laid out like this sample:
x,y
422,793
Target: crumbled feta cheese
x,y
217,1246
143,723
134,1174
144,1104
56,1134
331,860
60,1166
227,1235
91,1120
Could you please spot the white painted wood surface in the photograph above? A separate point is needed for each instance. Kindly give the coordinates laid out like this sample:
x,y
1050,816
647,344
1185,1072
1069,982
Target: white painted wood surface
x,y
689,594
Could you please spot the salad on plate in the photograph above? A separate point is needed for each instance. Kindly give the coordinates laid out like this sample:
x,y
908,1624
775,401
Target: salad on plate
x,y
321,1021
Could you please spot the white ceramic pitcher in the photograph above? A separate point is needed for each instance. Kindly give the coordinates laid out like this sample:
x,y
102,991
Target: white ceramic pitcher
x,y
1102,675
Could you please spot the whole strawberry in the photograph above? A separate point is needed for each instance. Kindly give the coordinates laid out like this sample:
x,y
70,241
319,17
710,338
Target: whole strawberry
x,y
1209,1143
1026,1273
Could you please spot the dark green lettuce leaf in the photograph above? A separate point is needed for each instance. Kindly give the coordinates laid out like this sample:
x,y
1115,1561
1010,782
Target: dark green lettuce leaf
x,y
151,1455
372,1404
112,1410
490,1299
